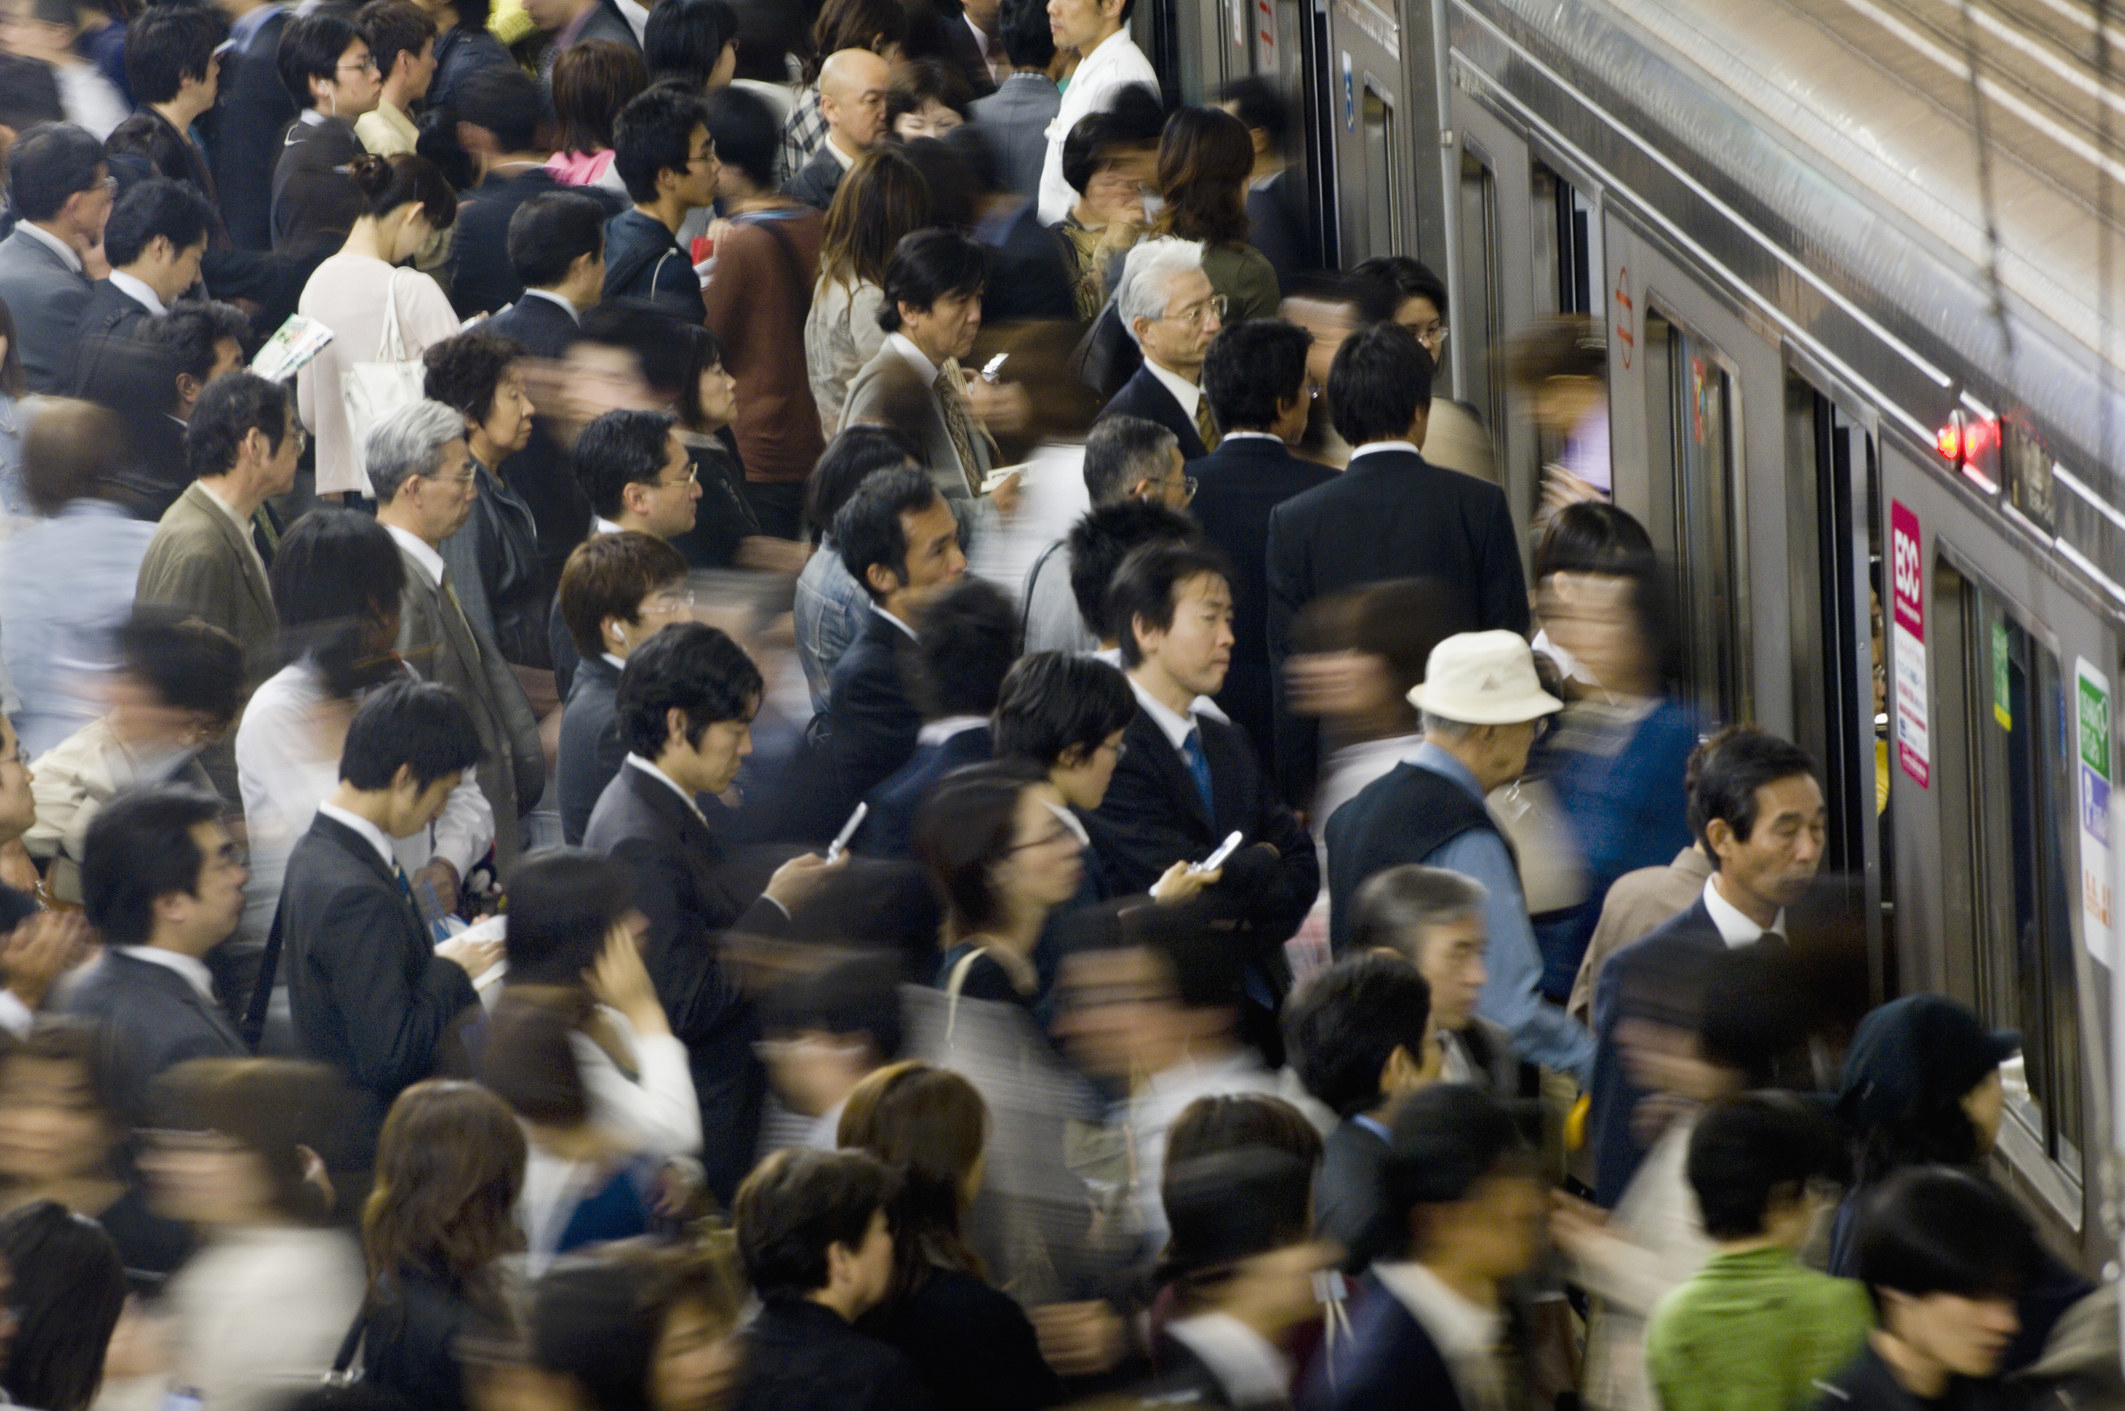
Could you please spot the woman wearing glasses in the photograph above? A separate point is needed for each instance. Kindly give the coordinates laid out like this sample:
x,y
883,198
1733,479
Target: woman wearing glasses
x,y
1204,161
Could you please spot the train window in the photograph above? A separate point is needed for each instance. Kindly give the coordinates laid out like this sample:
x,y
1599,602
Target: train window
x,y
1568,266
1691,438
2019,794
1383,199
1478,305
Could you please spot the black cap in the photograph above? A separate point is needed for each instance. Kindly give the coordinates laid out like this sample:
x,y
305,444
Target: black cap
x,y
1912,1048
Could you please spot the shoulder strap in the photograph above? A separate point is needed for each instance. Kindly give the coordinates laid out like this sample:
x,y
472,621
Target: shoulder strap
x,y
391,348
350,1346
1025,595
955,984
772,225
254,1018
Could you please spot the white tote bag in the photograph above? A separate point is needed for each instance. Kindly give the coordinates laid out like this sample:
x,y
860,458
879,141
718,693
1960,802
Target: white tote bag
x,y
372,391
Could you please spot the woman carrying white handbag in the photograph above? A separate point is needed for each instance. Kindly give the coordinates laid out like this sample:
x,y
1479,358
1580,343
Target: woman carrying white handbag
x,y
382,317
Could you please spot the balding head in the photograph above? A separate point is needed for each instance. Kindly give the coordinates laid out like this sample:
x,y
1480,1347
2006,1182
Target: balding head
x,y
852,84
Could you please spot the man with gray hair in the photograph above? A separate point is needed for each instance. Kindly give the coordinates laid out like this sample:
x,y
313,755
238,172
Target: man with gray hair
x,y
1483,707
1433,919
422,476
1166,302
1126,458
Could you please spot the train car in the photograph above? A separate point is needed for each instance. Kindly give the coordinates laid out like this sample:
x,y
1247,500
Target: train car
x,y
1856,262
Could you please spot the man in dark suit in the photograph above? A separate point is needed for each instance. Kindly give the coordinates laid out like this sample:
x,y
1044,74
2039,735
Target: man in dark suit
x,y
498,119
154,240
852,86
246,127
58,188
1390,515
1425,1325
1758,810
1254,378
898,538
556,247
685,705
1276,192
373,995
328,69
162,882
1165,301
969,639
1188,779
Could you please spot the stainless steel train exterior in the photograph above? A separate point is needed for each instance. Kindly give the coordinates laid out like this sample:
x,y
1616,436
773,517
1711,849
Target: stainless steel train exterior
x,y
1847,257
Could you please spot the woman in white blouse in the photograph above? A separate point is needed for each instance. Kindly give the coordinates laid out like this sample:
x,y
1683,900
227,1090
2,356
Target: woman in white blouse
x,y
882,198
336,581
405,201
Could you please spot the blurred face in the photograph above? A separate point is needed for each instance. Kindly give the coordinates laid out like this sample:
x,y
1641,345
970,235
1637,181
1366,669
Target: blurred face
x,y
1594,617
18,807
1502,1222
719,397
355,85
1329,324
1497,754
1120,1014
1984,1105
932,119
1966,1336
1082,778
1667,1059
602,379
1424,322
695,1367
205,1178
1043,867
1196,650
668,502
947,328
207,917
674,602
1194,313
1774,864
444,498
1081,24
1116,191
50,1126
1450,958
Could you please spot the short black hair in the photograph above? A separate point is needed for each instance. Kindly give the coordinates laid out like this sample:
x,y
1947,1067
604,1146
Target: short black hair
x,y
655,133
417,725
1148,586
70,1287
1748,1148
1399,278
230,409
929,265
310,47
867,529
746,134
552,231
617,450
462,372
29,94
562,901
1022,29
1257,103
336,573
140,849
1053,703
1252,368
167,44
505,101
194,330
1206,968
848,461
1742,761
967,641
644,327
1380,380
393,27
796,1206
1102,538
1591,536
1342,1024
188,664
1122,450
1445,1140
48,164
1933,1229
684,40
690,667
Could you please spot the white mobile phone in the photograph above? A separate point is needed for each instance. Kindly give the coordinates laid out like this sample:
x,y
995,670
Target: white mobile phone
x,y
1216,860
848,831
998,476
993,366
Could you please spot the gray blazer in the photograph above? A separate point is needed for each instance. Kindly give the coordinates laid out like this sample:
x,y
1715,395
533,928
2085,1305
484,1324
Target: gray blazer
x,y
149,1019
887,391
1015,121
47,297
438,642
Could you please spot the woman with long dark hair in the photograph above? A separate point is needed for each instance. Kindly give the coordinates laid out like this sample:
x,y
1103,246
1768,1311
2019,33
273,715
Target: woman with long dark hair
x,y
972,1344
1205,158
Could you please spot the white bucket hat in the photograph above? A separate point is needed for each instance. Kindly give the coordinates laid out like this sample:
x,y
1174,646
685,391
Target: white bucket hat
x,y
1483,678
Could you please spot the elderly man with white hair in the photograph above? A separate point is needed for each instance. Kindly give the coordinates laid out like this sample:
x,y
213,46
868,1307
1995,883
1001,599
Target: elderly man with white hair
x,y
1166,302
422,474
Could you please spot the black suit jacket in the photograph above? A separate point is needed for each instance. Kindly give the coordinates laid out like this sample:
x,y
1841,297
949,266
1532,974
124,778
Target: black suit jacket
x,y
1237,486
541,325
1390,515
591,752
149,1020
1027,276
889,828
684,888
315,203
1387,1362
482,280
1145,396
1153,817
801,1356
816,181
244,135
110,313
871,723
370,996
541,473
1350,1201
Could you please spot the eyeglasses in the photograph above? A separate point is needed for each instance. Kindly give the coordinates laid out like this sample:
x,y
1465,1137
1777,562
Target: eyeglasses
x,y
1188,486
671,600
464,478
1432,336
365,64
1196,315
693,477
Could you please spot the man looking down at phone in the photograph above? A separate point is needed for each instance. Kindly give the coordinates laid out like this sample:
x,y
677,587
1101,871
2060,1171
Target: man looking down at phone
x,y
1186,780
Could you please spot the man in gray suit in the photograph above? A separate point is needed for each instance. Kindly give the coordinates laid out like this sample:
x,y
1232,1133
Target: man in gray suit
x,y
163,884
60,189
423,478
1014,119
913,384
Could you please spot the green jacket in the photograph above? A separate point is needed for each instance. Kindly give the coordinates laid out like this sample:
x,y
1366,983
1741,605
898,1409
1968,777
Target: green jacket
x,y
1752,1332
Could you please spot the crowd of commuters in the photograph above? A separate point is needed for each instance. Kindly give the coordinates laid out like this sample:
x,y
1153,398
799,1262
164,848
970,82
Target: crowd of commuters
x,y
727,705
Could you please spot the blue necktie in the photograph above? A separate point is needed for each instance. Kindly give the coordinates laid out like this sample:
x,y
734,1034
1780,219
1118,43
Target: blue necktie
x,y
1198,766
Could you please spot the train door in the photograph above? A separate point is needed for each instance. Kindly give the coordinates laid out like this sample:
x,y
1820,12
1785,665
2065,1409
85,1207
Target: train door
x,y
1497,292
1374,127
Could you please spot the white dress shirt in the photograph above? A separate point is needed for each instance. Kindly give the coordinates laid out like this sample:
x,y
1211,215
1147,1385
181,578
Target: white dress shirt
x,y
649,767
938,731
1173,726
375,836
1370,447
1735,928
1114,62
138,291
549,296
193,969
894,620
422,551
